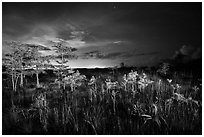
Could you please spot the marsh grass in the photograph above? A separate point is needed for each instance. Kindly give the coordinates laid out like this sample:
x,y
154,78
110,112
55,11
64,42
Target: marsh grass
x,y
137,103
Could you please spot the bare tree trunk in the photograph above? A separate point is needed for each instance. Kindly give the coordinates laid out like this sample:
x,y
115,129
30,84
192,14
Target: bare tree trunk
x,y
64,85
125,86
16,83
38,84
95,87
13,86
12,78
21,83
72,88
114,102
59,84
15,80
13,83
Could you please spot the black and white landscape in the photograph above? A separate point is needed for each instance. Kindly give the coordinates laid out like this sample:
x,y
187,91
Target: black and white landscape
x,y
102,68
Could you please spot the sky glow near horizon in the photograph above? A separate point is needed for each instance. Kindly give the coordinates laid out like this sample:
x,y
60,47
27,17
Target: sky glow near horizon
x,y
106,34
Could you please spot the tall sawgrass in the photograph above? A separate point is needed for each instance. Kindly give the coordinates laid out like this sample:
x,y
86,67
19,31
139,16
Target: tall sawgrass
x,y
135,103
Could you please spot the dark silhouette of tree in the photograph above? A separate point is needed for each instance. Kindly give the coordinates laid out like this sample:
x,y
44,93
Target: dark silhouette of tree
x,y
122,64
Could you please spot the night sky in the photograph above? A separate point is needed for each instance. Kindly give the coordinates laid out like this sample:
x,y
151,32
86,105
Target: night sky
x,y
106,34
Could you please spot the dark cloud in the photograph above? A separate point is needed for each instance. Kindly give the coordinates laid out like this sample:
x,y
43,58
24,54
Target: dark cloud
x,y
186,50
99,55
114,55
27,45
110,29
92,54
197,53
66,56
146,53
187,53
15,30
135,54
39,47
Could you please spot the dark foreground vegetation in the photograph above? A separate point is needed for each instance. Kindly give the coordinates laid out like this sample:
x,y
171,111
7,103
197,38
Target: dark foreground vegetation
x,y
103,101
